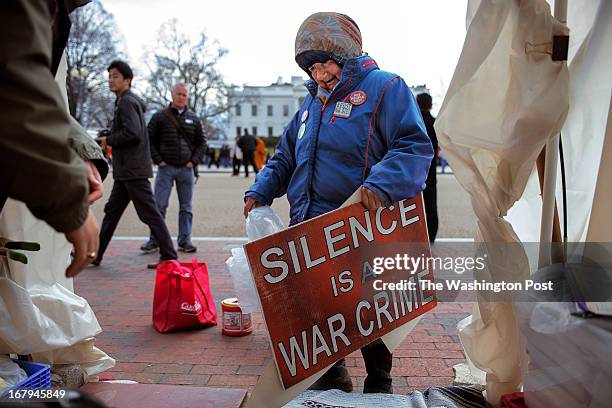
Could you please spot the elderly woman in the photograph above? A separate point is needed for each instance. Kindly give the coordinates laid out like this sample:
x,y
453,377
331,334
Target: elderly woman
x,y
358,128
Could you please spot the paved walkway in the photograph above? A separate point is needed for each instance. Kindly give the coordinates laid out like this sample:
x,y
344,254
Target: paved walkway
x,y
121,293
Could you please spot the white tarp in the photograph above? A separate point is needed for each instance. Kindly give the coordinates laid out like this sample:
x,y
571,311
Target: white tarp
x,y
590,64
39,313
506,99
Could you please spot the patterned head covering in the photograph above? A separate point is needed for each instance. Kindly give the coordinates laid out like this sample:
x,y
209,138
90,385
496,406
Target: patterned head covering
x,y
324,36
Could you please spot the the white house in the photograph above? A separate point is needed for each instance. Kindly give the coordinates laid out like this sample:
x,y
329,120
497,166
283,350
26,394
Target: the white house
x,y
266,110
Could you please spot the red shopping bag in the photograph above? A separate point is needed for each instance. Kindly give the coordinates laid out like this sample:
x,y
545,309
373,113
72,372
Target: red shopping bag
x,y
182,298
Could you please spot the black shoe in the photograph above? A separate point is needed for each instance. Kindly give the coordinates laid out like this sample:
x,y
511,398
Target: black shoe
x,y
336,378
188,248
378,362
96,262
149,247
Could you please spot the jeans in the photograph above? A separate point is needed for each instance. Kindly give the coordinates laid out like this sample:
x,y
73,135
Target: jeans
x,y
185,182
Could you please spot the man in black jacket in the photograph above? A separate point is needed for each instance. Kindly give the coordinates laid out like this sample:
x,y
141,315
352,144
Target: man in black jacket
x,y
177,147
131,165
248,144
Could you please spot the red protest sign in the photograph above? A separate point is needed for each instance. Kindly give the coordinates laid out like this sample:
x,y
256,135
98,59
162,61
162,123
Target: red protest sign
x,y
320,294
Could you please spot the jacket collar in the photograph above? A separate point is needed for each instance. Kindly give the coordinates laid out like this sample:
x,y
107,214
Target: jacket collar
x,y
354,70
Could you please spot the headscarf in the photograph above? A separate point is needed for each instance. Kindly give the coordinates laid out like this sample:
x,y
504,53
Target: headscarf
x,y
324,36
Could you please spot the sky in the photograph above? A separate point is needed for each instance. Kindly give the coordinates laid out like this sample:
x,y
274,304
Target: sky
x,y
420,40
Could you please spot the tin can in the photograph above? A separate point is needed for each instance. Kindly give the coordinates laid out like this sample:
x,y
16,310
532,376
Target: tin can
x,y
235,323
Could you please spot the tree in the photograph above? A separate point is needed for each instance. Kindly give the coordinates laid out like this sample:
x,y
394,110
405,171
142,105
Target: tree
x,y
178,57
92,45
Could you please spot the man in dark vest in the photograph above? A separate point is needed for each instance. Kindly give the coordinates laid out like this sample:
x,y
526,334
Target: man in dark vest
x,y
177,147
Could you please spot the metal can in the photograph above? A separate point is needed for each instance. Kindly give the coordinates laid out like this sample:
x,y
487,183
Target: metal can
x,y
235,323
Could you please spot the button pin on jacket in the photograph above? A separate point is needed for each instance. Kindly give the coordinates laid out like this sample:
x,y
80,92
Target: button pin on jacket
x,y
304,116
357,98
343,110
301,131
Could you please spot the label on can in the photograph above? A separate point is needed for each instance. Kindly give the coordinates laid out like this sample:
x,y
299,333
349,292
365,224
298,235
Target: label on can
x,y
232,321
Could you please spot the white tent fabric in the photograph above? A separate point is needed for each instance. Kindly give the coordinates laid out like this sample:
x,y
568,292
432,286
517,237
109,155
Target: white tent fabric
x,y
39,312
506,99
590,64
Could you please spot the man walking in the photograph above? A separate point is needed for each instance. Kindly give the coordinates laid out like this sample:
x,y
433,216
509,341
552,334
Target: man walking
x,y
177,147
248,144
430,193
131,165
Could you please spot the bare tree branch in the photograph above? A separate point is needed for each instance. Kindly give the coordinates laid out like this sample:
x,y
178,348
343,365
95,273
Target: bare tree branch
x,y
178,57
92,45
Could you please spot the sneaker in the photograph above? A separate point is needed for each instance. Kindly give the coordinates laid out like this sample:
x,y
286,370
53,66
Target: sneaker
x,y
189,248
149,247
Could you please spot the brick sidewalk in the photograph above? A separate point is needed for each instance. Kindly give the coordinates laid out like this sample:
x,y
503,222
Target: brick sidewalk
x,y
121,293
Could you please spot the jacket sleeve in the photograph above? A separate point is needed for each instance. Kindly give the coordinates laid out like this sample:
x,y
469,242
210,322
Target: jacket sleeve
x,y
37,165
154,142
200,144
130,128
403,169
272,181
86,147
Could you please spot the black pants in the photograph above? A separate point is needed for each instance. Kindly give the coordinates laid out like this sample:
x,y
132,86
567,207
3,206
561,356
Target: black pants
x,y
431,202
249,158
140,193
236,163
378,363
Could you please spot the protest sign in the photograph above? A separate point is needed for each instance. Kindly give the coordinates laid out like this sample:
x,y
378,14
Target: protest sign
x,y
316,283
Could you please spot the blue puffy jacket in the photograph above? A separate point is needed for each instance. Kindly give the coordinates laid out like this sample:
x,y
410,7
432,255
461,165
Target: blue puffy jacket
x,y
382,145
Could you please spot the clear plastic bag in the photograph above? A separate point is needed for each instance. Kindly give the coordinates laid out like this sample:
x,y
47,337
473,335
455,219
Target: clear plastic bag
x,y
10,373
261,222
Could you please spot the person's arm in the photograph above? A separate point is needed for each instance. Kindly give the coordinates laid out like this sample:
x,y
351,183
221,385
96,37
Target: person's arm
x,y
130,128
154,139
87,148
199,144
36,161
272,181
402,171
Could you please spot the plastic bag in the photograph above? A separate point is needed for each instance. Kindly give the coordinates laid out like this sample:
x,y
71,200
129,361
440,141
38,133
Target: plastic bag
x,y
261,222
10,372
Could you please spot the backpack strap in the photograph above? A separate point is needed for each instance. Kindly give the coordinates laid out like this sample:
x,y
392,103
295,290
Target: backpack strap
x,y
178,126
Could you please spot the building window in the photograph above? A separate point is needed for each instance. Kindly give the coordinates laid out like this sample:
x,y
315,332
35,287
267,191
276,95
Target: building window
x,y
253,110
270,111
254,129
238,130
270,131
285,110
238,110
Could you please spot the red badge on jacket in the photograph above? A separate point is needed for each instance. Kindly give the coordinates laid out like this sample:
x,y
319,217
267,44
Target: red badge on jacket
x,y
357,98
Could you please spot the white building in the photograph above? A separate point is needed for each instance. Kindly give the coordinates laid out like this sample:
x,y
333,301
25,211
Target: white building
x,y
266,110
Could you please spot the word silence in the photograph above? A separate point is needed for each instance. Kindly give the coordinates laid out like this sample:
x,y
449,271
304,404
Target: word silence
x,y
315,284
